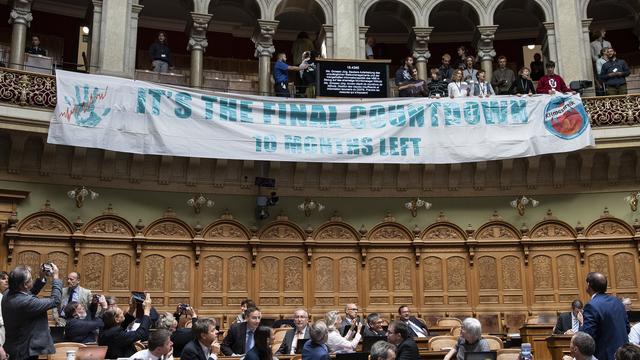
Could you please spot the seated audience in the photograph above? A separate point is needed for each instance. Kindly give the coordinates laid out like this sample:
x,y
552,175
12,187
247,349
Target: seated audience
x,y
628,352
316,348
116,337
335,341
551,82
457,88
581,347
160,54
29,339
4,285
481,87
160,347
35,48
244,305
181,330
436,87
263,339
82,326
239,338
300,331
350,317
446,71
470,340
73,292
569,322
403,78
502,77
523,85
374,325
382,350
200,348
627,304
398,335
416,328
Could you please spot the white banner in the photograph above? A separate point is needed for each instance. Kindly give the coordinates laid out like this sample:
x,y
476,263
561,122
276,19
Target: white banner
x,y
147,118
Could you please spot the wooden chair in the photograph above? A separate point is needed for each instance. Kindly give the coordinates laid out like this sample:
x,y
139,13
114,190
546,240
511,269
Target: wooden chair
x,y
279,334
455,331
449,321
495,343
62,348
438,343
508,354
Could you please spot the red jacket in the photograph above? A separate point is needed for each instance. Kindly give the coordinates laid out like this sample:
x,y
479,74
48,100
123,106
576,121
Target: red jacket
x,y
549,82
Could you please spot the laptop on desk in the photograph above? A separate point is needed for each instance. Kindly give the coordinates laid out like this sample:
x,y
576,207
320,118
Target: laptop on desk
x,y
300,345
480,355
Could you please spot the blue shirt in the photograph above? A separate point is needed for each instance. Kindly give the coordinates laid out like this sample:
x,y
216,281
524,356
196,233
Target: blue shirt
x,y
313,351
281,71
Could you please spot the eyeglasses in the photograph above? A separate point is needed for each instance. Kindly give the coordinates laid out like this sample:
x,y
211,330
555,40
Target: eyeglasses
x,y
353,309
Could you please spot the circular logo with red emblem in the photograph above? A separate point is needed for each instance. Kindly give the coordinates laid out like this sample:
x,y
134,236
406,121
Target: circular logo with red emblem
x,y
565,117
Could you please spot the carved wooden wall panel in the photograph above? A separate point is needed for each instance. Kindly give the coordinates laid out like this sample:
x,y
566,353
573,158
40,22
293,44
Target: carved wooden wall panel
x,y
497,272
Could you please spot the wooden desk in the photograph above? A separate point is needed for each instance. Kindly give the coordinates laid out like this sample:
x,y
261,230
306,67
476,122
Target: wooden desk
x,y
537,335
439,330
432,355
558,344
423,343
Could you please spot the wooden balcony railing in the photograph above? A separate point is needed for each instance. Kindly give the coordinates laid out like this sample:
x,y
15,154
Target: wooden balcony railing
x,y
39,90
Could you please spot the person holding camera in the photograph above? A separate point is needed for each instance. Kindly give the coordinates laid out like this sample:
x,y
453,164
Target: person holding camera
x,y
186,316
82,326
72,293
115,334
25,315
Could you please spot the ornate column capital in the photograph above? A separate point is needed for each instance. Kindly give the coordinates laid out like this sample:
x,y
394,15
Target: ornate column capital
x,y
198,31
21,12
136,9
550,27
586,23
97,5
420,46
485,43
263,37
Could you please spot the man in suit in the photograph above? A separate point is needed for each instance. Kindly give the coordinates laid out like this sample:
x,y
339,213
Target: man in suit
x,y
581,347
300,331
25,315
205,333
374,325
568,322
82,326
415,327
350,316
604,318
239,338
73,292
382,350
398,335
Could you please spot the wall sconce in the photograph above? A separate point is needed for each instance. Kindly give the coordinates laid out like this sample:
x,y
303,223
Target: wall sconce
x,y
632,199
309,206
197,202
80,193
415,204
521,202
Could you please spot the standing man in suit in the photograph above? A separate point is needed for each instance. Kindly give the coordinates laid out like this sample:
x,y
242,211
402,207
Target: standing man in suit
x,y
350,317
569,322
239,338
25,315
604,318
398,335
415,327
300,331
73,292
201,348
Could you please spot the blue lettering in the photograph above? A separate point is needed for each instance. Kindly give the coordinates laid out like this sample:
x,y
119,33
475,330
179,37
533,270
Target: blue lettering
x,y
356,114
268,111
245,111
293,144
228,109
208,106
451,114
377,116
298,115
183,110
398,118
519,111
142,101
416,115
471,113
494,112
367,148
318,116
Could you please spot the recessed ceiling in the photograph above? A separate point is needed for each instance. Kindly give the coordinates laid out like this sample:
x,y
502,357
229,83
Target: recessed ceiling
x,y
518,14
389,16
453,16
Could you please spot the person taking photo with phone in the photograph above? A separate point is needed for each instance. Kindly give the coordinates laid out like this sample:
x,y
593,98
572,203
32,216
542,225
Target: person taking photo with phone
x,y
115,334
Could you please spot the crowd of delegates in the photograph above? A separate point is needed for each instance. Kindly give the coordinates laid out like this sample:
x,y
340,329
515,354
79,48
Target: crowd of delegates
x,y
600,328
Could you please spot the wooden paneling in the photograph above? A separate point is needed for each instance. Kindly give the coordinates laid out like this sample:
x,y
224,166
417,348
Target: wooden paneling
x,y
498,273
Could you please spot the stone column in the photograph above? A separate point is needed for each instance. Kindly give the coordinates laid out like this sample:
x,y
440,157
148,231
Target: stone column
x,y
569,40
263,38
345,21
362,42
421,49
587,50
115,55
94,47
486,52
198,45
328,38
20,17
132,41
551,41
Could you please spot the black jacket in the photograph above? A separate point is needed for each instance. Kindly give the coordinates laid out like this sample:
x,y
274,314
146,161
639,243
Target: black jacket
x,y
120,341
160,51
83,330
193,351
180,338
233,342
407,350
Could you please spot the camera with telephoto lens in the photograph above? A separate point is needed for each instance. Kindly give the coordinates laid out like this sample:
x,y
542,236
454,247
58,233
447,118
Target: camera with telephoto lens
x,y
183,308
47,268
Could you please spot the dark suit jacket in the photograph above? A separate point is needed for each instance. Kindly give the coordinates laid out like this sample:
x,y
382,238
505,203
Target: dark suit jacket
x,y
370,332
26,321
120,341
82,330
564,323
287,342
407,350
606,321
192,351
313,351
180,338
233,342
419,324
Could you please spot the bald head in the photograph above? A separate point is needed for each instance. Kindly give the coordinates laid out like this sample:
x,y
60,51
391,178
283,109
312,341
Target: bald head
x,y
596,283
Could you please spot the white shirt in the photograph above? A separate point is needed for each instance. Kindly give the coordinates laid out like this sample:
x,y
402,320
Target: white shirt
x,y
294,343
147,355
634,334
339,344
2,333
458,89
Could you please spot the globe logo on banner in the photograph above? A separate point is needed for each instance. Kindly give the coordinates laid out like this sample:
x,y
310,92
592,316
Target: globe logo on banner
x,y
565,117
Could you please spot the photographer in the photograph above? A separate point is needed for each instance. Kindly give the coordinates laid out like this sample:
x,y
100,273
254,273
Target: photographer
x,y
82,326
183,334
25,315
116,337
